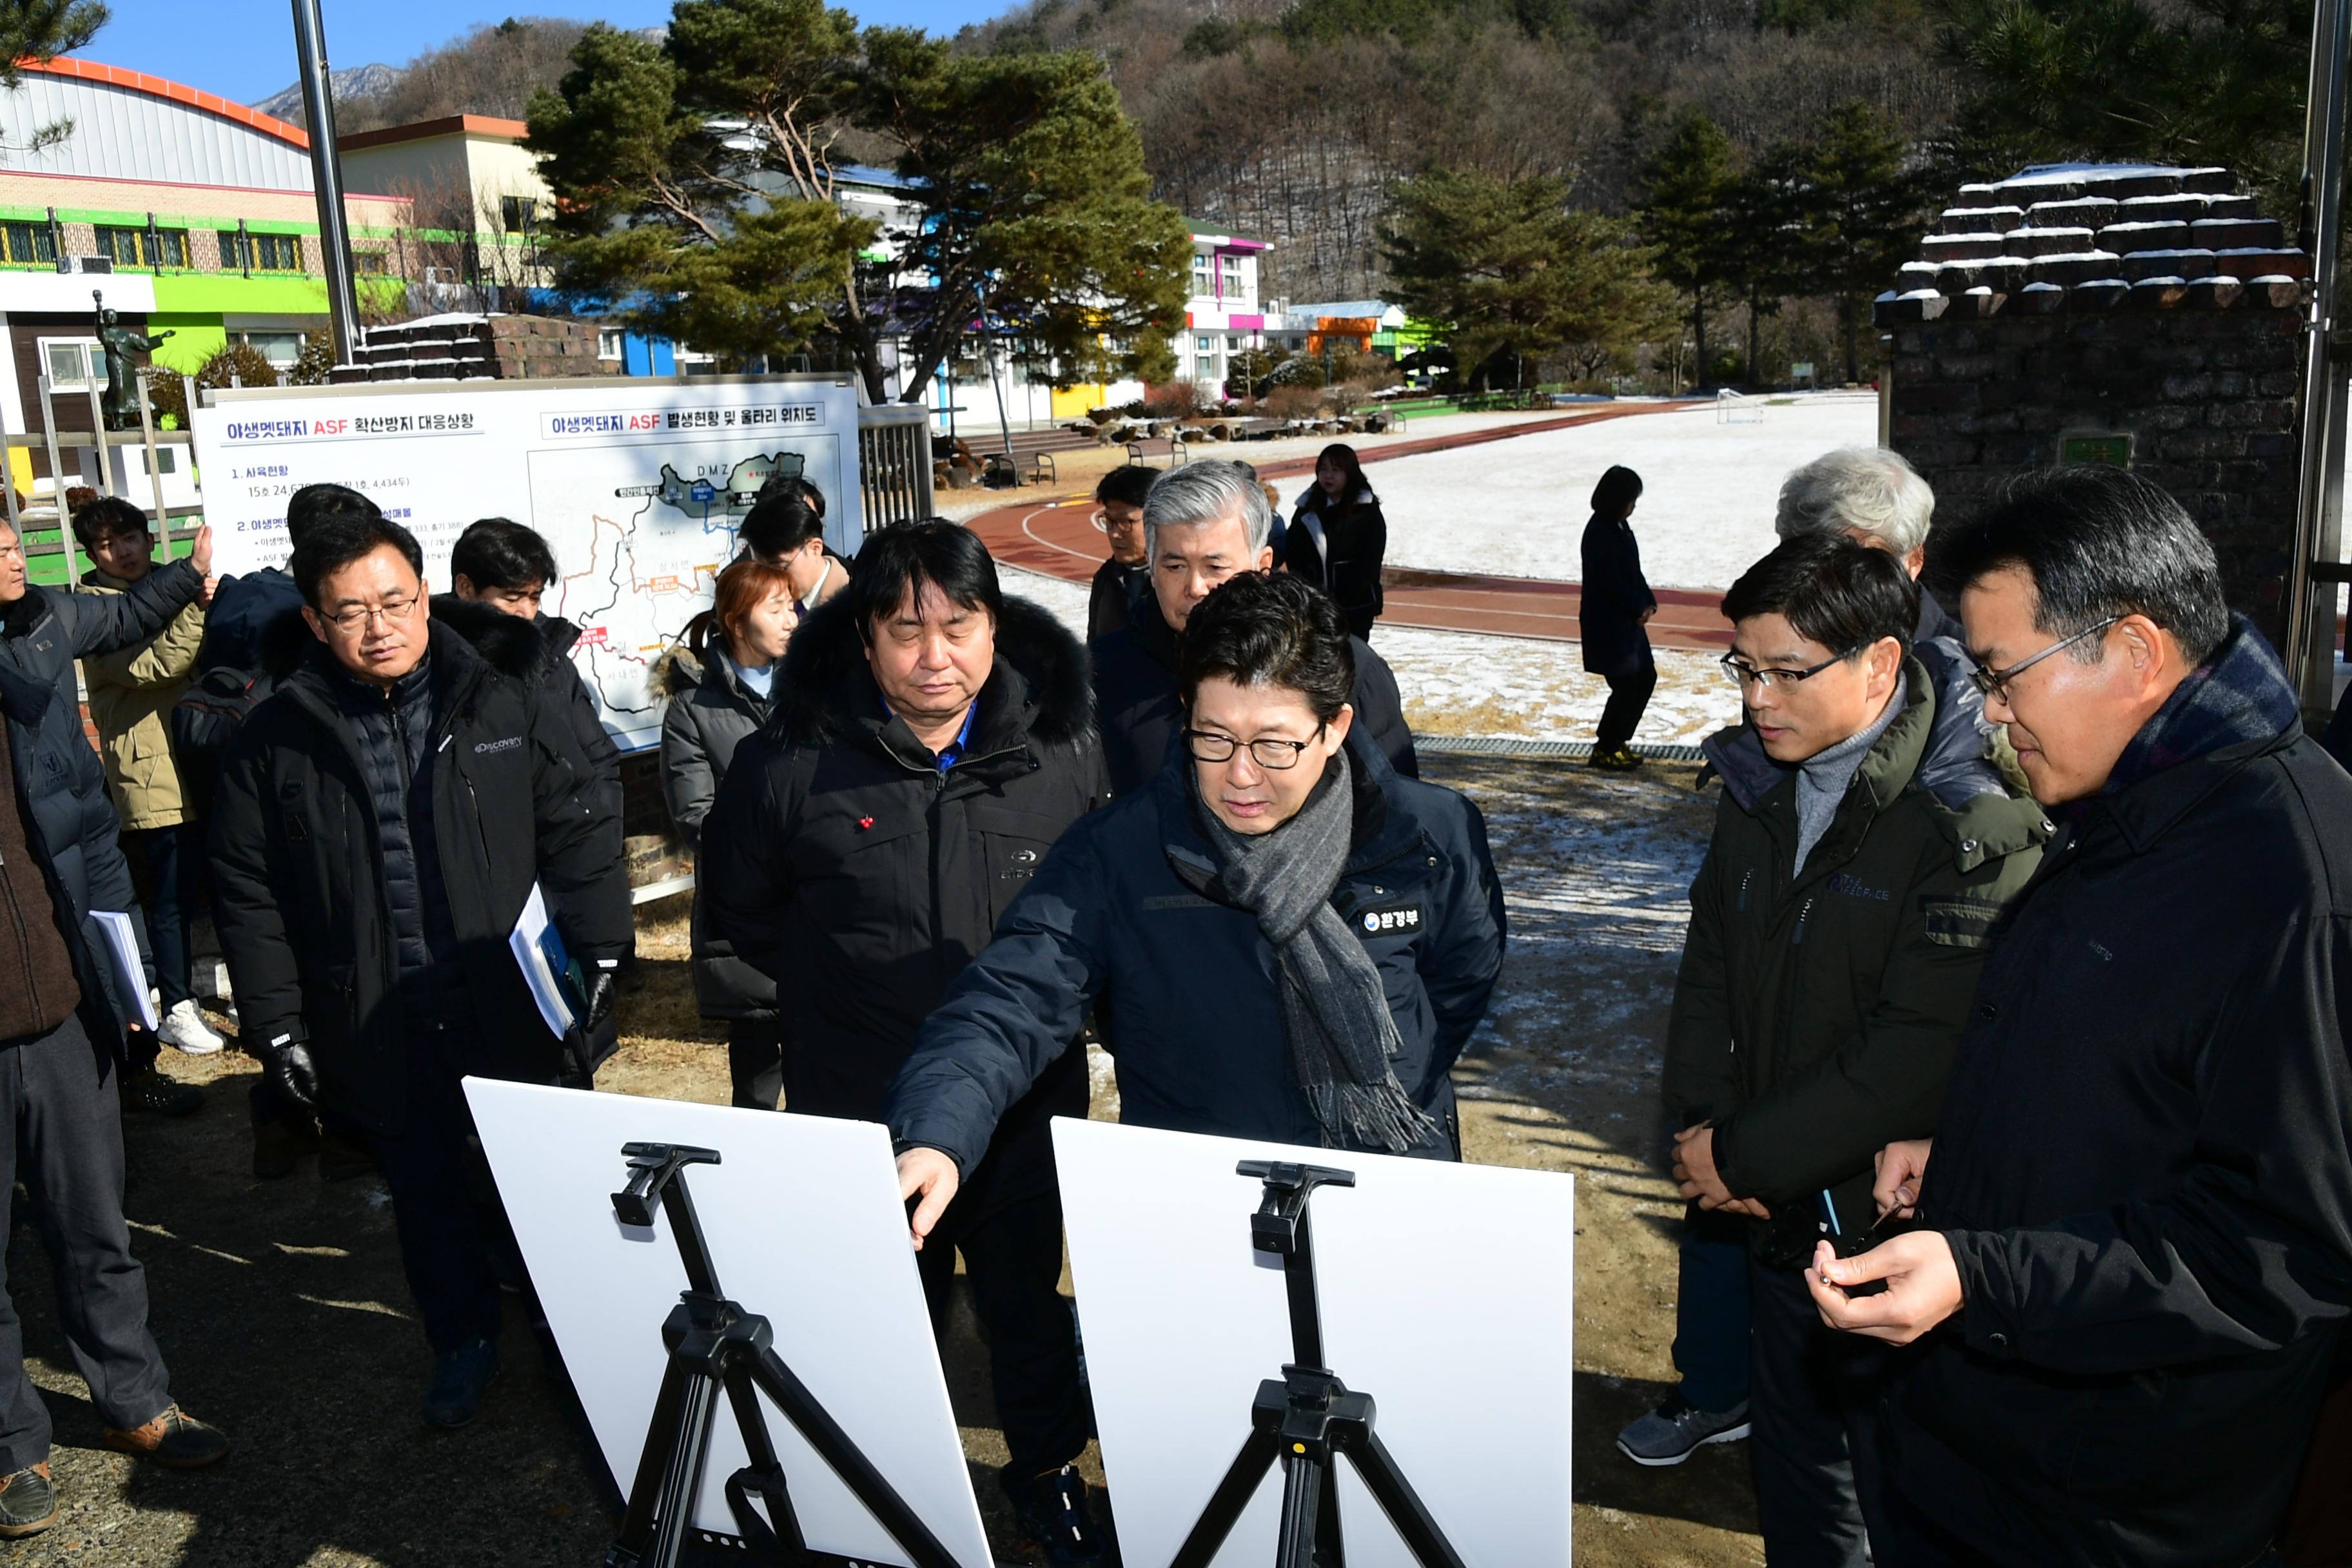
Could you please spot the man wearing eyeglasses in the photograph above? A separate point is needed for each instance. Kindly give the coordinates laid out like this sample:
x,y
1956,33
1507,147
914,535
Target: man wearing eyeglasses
x,y
380,822
1862,851
1118,512
2132,1259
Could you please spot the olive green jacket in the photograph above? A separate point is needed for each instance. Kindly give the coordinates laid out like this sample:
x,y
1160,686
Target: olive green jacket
x,y
130,695
1816,1015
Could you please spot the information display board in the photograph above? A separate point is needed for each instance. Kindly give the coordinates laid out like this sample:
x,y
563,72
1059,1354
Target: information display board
x,y
638,484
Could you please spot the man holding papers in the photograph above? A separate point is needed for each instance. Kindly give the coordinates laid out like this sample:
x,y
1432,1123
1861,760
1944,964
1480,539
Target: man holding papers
x,y
60,1032
382,823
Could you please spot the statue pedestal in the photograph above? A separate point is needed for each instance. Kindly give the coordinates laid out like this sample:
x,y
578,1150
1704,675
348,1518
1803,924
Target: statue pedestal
x,y
126,460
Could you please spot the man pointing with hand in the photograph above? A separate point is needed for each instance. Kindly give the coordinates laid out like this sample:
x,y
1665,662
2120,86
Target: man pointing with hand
x,y
2136,1247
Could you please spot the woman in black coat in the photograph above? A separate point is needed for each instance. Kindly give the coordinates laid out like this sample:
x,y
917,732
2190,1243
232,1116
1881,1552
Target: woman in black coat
x,y
1617,603
1337,540
720,687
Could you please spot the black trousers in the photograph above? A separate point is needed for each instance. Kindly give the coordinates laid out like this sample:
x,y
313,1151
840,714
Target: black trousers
x,y
167,867
1006,1221
454,1242
1815,1397
62,1135
1629,694
755,1061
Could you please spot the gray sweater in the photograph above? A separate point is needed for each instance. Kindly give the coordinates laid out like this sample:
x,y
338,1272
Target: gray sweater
x,y
1823,778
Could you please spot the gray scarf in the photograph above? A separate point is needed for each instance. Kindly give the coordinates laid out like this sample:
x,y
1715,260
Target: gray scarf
x,y
1334,1009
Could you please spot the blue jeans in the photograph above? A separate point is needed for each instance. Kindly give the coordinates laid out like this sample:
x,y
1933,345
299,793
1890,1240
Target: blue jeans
x,y
1711,1311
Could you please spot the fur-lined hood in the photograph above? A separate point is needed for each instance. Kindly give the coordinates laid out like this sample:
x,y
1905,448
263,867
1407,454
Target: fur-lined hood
x,y
677,673
824,690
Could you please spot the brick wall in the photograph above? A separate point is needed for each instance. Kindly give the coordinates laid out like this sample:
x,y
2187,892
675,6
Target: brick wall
x,y
2207,395
2151,303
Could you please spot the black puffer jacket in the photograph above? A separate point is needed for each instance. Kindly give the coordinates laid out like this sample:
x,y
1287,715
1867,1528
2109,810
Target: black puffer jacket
x,y
711,713
61,782
2143,1164
1134,672
1185,987
307,914
1355,547
565,690
845,867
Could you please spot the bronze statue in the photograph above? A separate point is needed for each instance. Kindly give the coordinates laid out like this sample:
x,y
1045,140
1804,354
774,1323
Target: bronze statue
x,y
119,402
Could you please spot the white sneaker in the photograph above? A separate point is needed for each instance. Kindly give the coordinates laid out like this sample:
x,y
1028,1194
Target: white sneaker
x,y
184,1027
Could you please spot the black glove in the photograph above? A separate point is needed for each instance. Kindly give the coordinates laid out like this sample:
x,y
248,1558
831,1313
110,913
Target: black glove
x,y
287,1066
604,991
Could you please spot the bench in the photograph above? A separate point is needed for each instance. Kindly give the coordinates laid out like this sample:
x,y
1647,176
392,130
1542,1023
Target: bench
x,y
1030,460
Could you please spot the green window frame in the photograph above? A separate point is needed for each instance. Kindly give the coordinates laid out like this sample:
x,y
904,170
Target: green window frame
x,y
156,248
28,244
242,251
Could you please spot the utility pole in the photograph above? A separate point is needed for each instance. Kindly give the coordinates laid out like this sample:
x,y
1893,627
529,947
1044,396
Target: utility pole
x,y
327,181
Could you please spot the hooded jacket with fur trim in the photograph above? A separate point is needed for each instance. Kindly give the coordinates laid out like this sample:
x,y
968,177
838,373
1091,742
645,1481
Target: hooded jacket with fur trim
x,y
306,901
710,713
842,861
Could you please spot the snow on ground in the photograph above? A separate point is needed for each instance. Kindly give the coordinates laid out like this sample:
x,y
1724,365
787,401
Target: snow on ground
x,y
1518,509
1461,683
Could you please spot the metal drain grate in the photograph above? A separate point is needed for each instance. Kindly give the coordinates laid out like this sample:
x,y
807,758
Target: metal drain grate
x,y
1514,746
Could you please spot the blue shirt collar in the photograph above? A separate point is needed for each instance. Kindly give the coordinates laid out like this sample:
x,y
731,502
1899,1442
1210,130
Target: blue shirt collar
x,y
953,752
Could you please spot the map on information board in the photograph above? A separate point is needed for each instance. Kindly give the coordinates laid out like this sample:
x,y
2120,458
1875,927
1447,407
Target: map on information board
x,y
637,485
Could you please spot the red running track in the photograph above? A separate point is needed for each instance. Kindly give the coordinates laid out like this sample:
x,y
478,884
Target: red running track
x,y
1059,538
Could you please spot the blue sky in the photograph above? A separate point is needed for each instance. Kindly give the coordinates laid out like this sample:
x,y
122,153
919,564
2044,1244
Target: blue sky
x,y
244,50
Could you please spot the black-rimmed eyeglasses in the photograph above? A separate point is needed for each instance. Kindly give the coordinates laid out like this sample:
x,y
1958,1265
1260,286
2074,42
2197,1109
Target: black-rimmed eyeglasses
x,y
1268,753
1994,683
1744,675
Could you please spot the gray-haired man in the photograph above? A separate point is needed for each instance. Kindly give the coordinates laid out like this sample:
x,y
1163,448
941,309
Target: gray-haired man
x,y
1203,523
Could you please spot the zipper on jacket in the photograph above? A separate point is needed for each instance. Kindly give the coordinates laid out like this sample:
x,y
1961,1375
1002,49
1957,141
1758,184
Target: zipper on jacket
x,y
1797,938
1745,878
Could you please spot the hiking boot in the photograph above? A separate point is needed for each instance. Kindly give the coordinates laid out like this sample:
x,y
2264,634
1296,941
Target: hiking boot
x,y
1677,1429
149,1092
1053,1511
175,1440
459,1381
1615,759
184,1028
28,1502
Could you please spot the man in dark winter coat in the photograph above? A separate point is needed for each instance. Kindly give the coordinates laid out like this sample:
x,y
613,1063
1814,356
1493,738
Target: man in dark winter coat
x,y
1142,912
1204,522
1118,512
505,567
1613,604
381,824
930,742
60,1032
1861,847
2133,1262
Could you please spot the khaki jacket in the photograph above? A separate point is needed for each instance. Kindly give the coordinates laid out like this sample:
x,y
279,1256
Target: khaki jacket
x,y
130,695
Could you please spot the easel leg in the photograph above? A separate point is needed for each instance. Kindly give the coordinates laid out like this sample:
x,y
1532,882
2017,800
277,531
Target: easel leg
x,y
834,1445
669,1471
1226,1504
764,1475
1309,1534
1401,1503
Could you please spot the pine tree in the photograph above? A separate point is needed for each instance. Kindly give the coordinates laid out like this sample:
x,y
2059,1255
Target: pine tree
x,y
1509,268
1868,202
696,183
1691,218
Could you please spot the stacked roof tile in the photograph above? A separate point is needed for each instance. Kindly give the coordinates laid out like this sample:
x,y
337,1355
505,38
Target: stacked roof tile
x,y
2097,236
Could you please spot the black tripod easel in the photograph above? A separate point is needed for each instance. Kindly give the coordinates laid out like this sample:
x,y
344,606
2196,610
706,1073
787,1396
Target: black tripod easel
x,y
715,1345
1307,1417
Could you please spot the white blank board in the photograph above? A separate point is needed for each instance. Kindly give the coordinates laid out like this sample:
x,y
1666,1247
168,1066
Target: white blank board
x,y
1448,1295
805,1226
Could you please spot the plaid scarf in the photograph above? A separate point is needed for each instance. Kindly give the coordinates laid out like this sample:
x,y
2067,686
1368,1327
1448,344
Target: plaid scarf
x,y
2240,694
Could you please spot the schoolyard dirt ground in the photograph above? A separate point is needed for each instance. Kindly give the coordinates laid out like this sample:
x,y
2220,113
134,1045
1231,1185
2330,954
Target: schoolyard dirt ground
x,y
281,1309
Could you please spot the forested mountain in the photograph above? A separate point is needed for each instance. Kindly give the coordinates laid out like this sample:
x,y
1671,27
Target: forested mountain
x,y
1295,122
